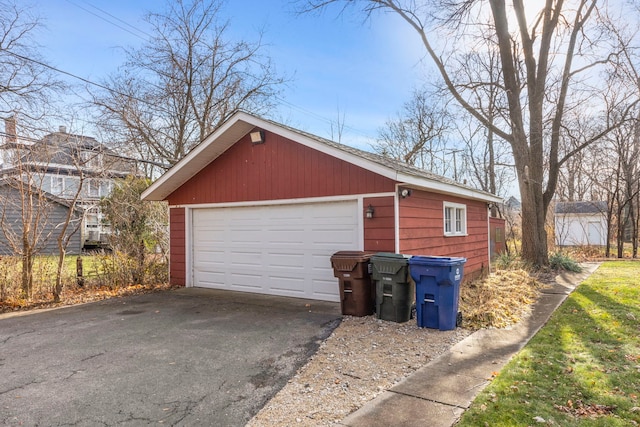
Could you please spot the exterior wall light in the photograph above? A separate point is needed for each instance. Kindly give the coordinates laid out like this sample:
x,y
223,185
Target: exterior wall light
x,y
370,211
405,192
257,137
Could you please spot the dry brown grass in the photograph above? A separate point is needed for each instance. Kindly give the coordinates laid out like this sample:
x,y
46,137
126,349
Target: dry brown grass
x,y
498,300
72,295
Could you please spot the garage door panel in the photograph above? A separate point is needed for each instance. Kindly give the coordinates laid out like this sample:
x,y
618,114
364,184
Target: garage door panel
x,y
211,257
281,249
285,218
286,261
285,284
294,236
328,241
325,287
246,280
212,279
242,258
242,238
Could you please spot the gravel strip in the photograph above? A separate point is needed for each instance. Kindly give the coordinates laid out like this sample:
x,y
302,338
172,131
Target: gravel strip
x,y
362,358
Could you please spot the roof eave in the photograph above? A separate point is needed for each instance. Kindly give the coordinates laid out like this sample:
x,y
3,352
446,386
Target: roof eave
x,y
446,188
241,123
203,154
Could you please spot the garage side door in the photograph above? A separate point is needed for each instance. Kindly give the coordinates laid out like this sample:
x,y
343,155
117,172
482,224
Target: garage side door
x,y
277,250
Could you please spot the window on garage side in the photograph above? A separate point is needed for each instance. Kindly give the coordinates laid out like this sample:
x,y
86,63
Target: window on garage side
x,y
455,219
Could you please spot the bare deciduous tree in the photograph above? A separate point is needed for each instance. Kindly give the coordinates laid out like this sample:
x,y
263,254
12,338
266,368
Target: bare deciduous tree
x,y
25,84
25,214
550,61
185,81
70,225
417,135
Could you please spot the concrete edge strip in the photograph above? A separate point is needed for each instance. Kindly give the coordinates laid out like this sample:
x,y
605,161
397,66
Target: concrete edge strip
x,y
429,400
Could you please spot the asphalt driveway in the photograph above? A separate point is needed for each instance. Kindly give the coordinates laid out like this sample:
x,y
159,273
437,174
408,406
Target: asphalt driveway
x,y
184,357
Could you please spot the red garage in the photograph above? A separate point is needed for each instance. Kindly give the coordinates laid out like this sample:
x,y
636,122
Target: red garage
x,y
261,207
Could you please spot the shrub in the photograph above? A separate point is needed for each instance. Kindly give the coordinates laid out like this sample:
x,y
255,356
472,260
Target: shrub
x,y
117,269
508,261
561,261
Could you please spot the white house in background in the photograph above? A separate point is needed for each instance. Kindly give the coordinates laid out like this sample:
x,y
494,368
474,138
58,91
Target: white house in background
x,y
581,223
59,164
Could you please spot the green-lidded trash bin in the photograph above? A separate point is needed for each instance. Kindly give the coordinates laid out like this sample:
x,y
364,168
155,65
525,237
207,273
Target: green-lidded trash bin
x,y
437,290
394,289
357,295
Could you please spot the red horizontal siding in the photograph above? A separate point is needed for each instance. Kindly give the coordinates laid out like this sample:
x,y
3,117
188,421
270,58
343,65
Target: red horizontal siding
x,y
277,169
177,246
379,231
422,230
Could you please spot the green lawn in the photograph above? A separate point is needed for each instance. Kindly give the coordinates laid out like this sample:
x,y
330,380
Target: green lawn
x,y
46,264
44,274
582,368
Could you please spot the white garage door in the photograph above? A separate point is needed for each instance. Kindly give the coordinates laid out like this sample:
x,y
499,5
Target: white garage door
x,y
277,249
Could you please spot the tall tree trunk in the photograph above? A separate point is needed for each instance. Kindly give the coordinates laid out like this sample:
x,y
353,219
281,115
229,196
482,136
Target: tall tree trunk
x,y
57,289
534,235
607,252
622,223
27,275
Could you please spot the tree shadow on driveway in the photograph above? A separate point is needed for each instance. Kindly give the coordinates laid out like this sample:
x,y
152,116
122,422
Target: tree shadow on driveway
x,y
182,357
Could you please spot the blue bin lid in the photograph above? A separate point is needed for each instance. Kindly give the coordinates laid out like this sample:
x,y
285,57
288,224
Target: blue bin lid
x,y
436,261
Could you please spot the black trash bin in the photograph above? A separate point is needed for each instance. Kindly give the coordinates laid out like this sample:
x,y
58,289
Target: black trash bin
x,y
394,289
357,295
437,290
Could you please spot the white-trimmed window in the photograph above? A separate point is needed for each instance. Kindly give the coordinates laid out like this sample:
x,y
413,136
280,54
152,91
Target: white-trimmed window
x,y
93,188
57,185
455,219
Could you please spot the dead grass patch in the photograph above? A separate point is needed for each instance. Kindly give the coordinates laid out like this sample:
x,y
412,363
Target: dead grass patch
x,y
498,300
79,295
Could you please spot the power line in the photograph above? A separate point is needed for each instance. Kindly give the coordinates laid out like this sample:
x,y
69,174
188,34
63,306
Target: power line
x,y
149,36
137,32
101,86
156,106
320,117
153,105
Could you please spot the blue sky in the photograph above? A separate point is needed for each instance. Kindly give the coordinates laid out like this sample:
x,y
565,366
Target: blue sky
x,y
366,70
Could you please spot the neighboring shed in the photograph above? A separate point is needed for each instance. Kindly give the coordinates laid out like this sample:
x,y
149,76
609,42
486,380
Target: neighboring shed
x,y
581,223
261,207
47,215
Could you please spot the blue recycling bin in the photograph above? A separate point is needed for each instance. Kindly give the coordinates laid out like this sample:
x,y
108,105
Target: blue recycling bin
x,y
437,290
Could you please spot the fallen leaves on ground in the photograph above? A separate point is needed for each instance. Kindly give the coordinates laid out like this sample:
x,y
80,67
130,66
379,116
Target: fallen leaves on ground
x,y
580,409
79,295
499,300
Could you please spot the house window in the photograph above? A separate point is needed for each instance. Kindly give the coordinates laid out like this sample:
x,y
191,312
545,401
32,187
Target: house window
x,y
499,235
455,219
90,158
93,188
57,185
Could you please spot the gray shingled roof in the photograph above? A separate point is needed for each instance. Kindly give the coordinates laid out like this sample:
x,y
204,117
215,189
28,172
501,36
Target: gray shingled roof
x,y
388,162
242,122
581,207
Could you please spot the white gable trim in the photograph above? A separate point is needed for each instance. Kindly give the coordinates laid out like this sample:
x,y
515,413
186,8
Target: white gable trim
x,y
203,154
241,123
